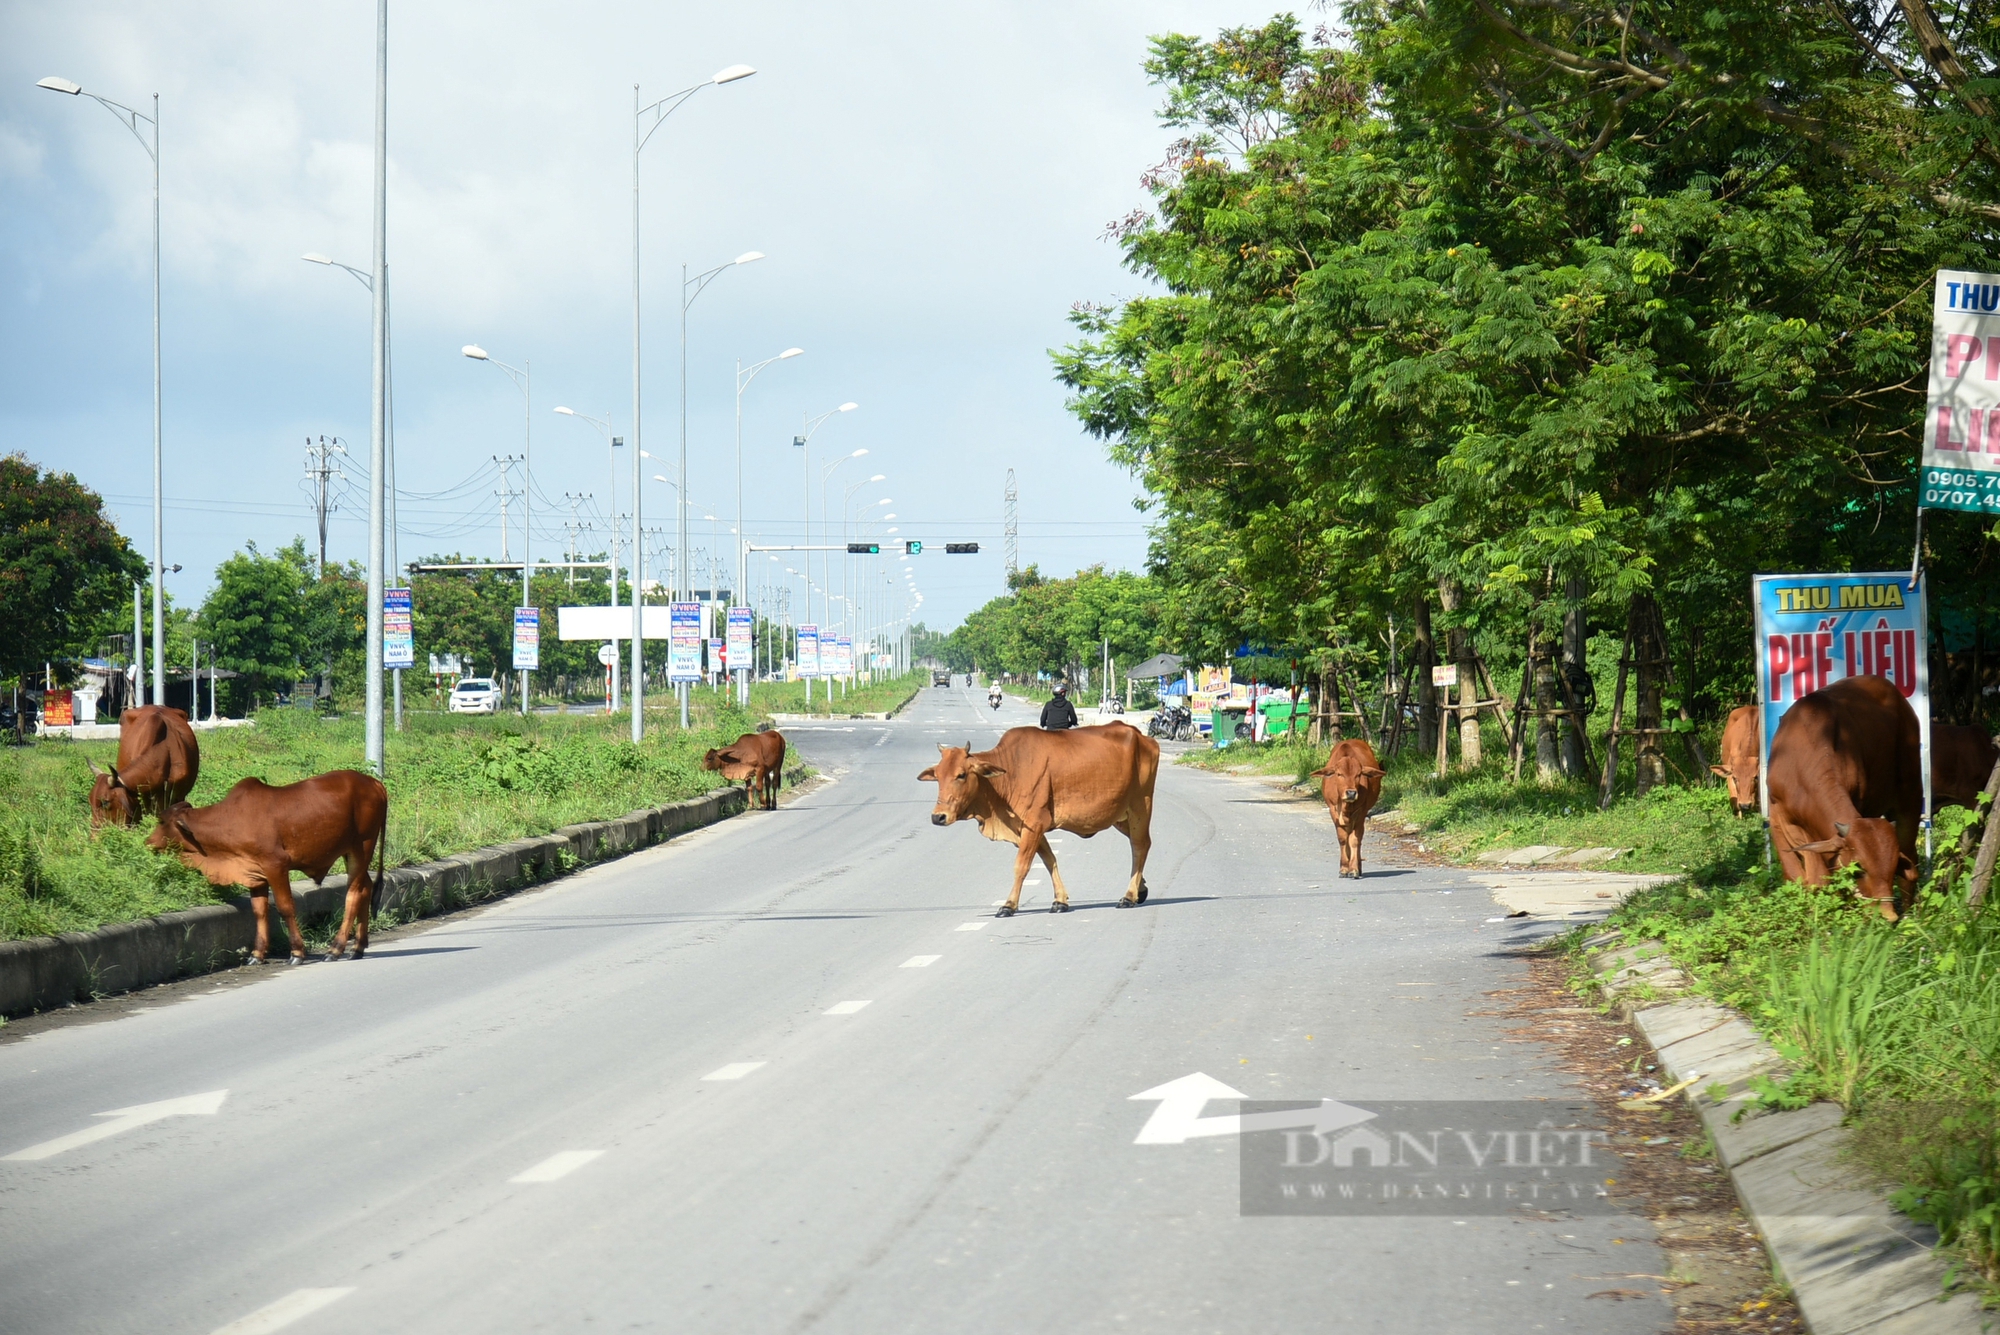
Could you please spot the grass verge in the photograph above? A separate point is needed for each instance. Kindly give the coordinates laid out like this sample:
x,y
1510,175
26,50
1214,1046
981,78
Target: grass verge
x,y
455,782
789,697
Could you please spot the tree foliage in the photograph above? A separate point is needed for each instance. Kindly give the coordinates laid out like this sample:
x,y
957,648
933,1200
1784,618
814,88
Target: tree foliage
x,y
1059,626
63,568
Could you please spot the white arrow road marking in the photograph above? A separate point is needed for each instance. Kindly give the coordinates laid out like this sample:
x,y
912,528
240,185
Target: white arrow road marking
x,y
558,1165
845,1007
1178,1118
733,1071
124,1119
298,1303
921,961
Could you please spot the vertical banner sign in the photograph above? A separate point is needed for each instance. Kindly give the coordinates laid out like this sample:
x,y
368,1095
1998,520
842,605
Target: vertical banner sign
x,y
684,642
59,709
718,659
741,632
808,651
527,639
1812,630
399,642
844,658
1961,468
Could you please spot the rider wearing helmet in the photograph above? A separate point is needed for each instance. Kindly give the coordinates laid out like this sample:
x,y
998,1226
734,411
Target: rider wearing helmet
x,y
1059,713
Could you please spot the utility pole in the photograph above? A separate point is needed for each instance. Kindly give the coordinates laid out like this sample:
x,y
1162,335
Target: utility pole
x,y
573,526
506,461
1010,515
320,472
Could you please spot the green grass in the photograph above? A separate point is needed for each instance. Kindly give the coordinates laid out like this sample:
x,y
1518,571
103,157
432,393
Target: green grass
x,y
788,697
455,782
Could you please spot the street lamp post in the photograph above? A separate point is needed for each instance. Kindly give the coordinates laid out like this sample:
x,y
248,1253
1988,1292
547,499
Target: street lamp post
x,y
523,379
743,379
603,424
803,442
132,120
641,132
389,451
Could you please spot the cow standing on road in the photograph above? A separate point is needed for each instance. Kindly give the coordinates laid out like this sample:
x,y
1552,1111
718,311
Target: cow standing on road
x,y
1350,784
257,835
1846,785
1082,780
756,758
158,763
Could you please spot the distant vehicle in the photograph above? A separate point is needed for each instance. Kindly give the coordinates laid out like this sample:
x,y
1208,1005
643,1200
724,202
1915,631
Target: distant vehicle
x,y
940,677
475,695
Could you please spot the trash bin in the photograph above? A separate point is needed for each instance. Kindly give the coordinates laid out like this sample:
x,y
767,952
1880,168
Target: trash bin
x,y
1225,719
1281,715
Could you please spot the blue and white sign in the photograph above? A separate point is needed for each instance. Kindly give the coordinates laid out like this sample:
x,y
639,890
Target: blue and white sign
x,y
1812,630
808,651
684,640
741,639
527,639
399,640
1961,466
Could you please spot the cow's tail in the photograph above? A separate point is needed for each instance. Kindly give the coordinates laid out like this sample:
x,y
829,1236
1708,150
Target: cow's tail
x,y
381,856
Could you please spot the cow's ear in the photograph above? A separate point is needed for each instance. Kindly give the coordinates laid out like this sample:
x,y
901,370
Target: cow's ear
x,y
986,769
1375,773
1819,846
1320,773
1718,771
928,776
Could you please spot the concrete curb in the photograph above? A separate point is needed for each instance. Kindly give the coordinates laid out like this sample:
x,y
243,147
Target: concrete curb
x,y
1853,1262
52,971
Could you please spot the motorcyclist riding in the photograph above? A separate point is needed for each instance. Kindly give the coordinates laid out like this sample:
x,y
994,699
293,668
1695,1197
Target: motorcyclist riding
x,y
993,695
1059,713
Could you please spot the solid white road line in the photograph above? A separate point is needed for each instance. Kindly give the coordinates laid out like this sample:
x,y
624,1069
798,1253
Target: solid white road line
x,y
733,1071
921,961
970,927
557,1166
282,1313
846,1008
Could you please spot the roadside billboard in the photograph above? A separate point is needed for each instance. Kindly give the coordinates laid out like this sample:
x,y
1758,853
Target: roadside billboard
x,y
684,639
1812,630
845,657
399,642
527,639
1961,465
741,637
808,651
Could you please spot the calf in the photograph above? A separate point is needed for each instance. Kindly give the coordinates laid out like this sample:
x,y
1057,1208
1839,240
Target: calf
x,y
1079,779
257,835
758,759
1962,759
1846,785
1739,759
1350,784
158,763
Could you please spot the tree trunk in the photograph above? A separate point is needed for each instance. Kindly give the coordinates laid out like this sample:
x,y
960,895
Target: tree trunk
x,y
1329,701
1649,658
1423,657
1575,670
1460,641
1549,760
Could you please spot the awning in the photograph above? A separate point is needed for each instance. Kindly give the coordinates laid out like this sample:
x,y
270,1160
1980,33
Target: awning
x,y
1159,665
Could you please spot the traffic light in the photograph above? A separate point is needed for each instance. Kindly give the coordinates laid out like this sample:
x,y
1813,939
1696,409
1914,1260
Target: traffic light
x,y
864,549
961,549
913,549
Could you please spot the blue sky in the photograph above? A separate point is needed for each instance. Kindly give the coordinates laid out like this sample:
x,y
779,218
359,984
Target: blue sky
x,y
930,185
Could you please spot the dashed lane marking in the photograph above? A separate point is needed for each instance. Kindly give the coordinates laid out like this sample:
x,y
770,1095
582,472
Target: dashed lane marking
x,y
970,927
733,1071
558,1165
276,1316
846,1007
921,961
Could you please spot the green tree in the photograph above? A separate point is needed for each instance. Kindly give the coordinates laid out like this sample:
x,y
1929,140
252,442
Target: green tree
x,y
64,569
256,619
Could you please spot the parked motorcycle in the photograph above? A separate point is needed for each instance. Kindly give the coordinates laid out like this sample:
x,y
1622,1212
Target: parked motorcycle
x,y
1173,723
1110,704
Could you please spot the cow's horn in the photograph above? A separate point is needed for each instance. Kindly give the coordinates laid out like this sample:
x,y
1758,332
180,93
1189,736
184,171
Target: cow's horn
x,y
93,768
1840,828
968,746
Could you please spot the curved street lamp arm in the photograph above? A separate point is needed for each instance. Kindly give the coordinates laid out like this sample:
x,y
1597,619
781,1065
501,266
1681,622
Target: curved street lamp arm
x,y
659,116
130,119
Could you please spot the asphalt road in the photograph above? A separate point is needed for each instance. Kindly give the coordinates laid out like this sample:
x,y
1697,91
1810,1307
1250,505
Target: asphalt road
x,y
661,1040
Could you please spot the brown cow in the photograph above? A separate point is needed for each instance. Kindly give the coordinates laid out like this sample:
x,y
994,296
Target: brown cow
x,y
257,835
1846,782
1350,783
1080,779
757,758
158,762
1739,759
1962,760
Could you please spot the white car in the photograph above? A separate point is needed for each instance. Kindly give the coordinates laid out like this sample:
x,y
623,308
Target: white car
x,y
475,695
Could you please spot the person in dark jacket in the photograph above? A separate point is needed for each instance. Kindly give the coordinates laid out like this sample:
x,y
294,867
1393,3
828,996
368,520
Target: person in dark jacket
x,y
1059,713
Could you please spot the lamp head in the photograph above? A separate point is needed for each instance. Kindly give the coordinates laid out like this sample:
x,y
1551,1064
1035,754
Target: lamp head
x,y
474,351
59,85
748,257
567,412
733,73
879,477
857,454
659,477
790,352
847,407
314,257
